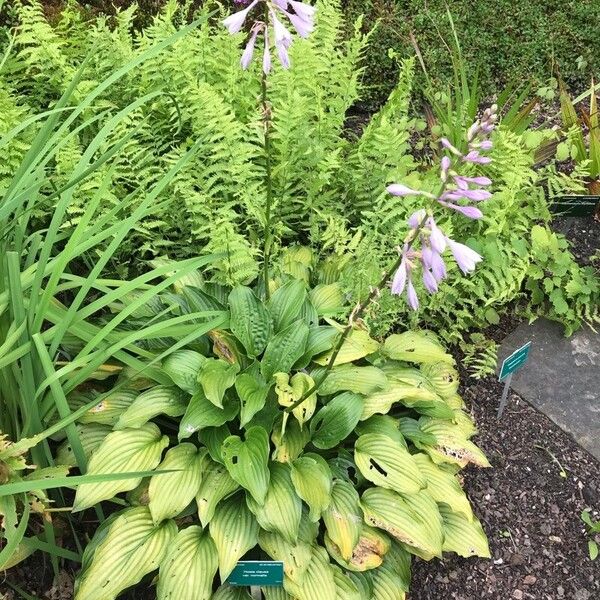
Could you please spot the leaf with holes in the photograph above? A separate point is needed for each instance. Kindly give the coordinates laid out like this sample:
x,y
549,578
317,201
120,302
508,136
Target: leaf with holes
x,y
368,553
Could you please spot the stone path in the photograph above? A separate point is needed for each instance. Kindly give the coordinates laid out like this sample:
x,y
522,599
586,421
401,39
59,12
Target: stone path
x,y
561,378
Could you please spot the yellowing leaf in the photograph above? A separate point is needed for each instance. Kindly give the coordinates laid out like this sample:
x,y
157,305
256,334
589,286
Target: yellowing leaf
x,y
288,391
128,450
290,443
110,408
416,347
312,481
170,493
318,581
183,367
295,557
360,380
357,345
367,554
391,580
216,377
343,518
91,436
216,485
188,569
161,399
463,536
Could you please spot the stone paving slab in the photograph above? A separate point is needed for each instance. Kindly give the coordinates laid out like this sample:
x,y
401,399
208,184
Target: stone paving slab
x,y
561,378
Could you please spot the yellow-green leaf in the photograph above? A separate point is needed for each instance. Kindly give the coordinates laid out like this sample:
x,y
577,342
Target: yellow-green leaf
x,y
343,518
183,367
357,345
90,435
289,390
318,581
352,378
392,579
216,377
336,420
289,443
161,399
216,485
312,481
416,347
367,554
188,569
110,408
202,413
128,450
252,390
295,557
462,535
286,303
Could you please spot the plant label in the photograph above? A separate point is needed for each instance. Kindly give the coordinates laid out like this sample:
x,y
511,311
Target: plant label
x,y
257,573
515,361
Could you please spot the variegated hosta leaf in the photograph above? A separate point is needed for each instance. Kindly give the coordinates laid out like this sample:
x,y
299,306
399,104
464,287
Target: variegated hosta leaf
x,y
328,298
463,536
183,367
131,547
346,589
357,345
247,461
414,520
360,380
343,518
284,349
124,451
231,592
290,444
289,390
110,408
252,390
286,303
216,485
295,557
170,493
234,530
312,481
416,347
318,581
282,508
387,463
367,554
443,377
451,444
443,486
392,580
202,413
320,339
250,321
188,569
336,420
161,399
216,377
90,435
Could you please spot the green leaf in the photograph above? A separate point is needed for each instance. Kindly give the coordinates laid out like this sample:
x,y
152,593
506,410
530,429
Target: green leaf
x,y
462,535
183,367
170,493
131,547
352,378
558,301
110,408
335,421
202,413
122,451
320,339
328,298
289,441
414,520
416,347
247,461
592,549
188,569
282,508
250,321
312,481
284,349
252,390
286,303
90,436
234,531
216,377
343,518
216,485
387,463
161,399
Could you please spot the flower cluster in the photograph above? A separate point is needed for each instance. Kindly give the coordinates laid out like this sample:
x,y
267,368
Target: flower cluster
x,y
271,26
455,188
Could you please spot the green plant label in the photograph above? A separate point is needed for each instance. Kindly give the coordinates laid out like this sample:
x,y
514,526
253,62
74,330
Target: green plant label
x,y
256,572
515,361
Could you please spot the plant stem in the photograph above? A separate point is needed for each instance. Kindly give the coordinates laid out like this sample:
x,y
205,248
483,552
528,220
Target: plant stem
x,y
357,313
266,110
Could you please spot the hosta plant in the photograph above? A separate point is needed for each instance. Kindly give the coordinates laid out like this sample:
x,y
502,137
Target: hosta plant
x,y
344,488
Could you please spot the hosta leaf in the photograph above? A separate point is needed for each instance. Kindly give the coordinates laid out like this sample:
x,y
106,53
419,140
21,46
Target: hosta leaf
x,y
252,390
382,424
170,493
231,592
318,581
289,390
234,530
312,482
320,339
415,347
290,444
128,450
343,518
462,535
387,463
443,378
199,301
295,557
346,589
414,519
161,399
335,421
367,554
90,436
443,486
411,430
392,580
216,377
328,298
216,485
286,303
247,461
110,408
284,349
188,569
183,367
357,345
275,593
201,413
282,508
131,547
250,321
227,347
360,380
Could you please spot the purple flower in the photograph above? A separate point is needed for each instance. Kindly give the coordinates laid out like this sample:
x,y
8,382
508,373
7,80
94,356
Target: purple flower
x,y
416,218
397,189
474,157
437,239
475,195
438,267
486,145
465,258
445,165
403,278
249,49
468,211
446,143
463,182
282,4
235,21
305,11
399,281
429,281
411,295
304,28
